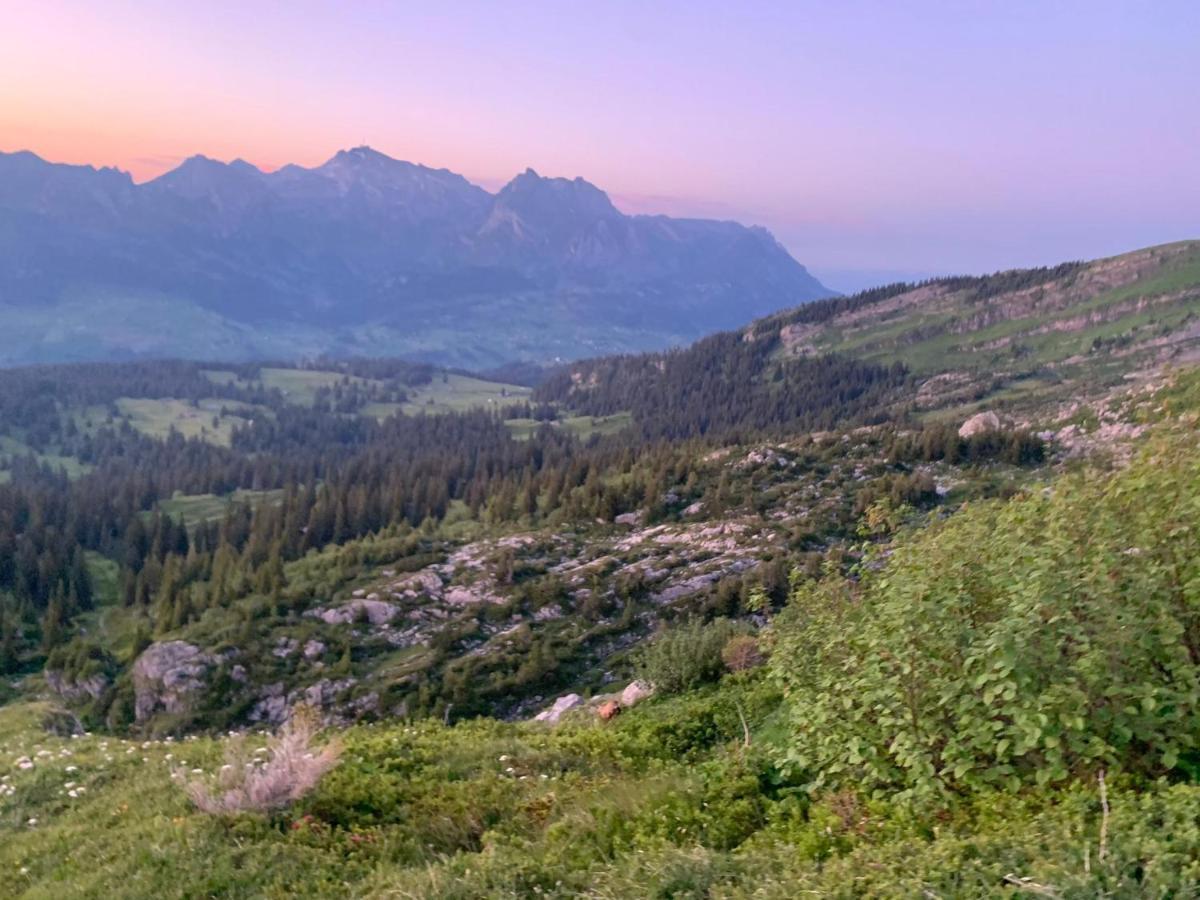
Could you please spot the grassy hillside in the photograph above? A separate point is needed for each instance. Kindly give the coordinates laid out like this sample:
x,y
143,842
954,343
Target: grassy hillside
x,y
893,658
1050,332
1026,341
766,783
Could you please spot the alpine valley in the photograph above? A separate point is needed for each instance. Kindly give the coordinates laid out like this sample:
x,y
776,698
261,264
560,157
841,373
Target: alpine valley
x,y
889,595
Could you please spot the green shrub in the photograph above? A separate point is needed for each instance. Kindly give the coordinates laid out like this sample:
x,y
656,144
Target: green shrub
x,y
1032,641
686,656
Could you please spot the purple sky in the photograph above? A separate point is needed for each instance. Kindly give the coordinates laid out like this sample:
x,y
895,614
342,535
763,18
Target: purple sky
x,y
874,139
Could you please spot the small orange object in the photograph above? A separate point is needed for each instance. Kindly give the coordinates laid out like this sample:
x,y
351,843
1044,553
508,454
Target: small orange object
x,y
608,709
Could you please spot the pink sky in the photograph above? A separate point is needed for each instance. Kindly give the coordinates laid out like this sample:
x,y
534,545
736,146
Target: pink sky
x,y
920,137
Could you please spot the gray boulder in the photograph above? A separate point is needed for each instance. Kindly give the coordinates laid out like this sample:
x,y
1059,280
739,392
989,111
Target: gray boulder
x,y
561,705
635,693
979,423
377,612
168,676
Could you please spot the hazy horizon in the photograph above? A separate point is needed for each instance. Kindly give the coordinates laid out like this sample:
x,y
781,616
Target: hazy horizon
x,y
868,138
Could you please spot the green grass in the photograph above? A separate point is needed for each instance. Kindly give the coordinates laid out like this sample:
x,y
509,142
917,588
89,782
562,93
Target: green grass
x,y
194,508
586,426
458,393
445,393
583,426
104,574
157,417
298,386
666,801
221,376
899,337
12,446
301,385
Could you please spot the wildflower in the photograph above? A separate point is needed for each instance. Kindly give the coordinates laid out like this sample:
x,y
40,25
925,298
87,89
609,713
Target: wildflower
x,y
71,769
72,793
31,822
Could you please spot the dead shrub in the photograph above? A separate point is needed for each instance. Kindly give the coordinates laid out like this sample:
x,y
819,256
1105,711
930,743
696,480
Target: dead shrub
x,y
742,652
270,777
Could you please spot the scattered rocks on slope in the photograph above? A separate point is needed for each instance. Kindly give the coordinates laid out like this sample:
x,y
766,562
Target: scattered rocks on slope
x,y
606,706
377,612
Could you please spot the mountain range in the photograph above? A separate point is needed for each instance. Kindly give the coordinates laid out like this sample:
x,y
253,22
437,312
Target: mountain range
x,y
363,255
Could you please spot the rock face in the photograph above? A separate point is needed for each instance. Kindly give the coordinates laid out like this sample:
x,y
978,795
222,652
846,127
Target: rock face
x,y
80,690
330,696
561,705
978,423
167,676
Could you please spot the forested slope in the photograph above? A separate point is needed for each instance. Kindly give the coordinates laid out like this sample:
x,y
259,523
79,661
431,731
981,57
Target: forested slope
x,y
985,705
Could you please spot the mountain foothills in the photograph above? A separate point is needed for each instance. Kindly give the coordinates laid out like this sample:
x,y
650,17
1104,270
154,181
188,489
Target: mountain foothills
x,y
362,256
889,595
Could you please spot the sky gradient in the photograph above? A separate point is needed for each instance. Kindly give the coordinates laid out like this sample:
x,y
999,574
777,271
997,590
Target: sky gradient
x,y
874,139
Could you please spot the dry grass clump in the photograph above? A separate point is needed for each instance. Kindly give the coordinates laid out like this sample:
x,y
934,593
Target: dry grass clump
x,y
270,777
742,652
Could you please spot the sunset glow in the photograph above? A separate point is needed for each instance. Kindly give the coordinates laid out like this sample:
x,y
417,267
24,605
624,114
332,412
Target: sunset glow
x,y
853,131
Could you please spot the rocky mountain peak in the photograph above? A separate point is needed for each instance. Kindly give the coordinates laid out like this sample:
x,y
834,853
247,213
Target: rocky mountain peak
x,y
532,195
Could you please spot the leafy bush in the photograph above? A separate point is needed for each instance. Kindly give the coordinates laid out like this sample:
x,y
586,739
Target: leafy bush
x,y
686,656
1031,641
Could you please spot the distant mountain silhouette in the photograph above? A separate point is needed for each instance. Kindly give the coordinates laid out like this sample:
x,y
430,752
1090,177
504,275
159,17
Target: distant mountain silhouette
x,y
363,254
